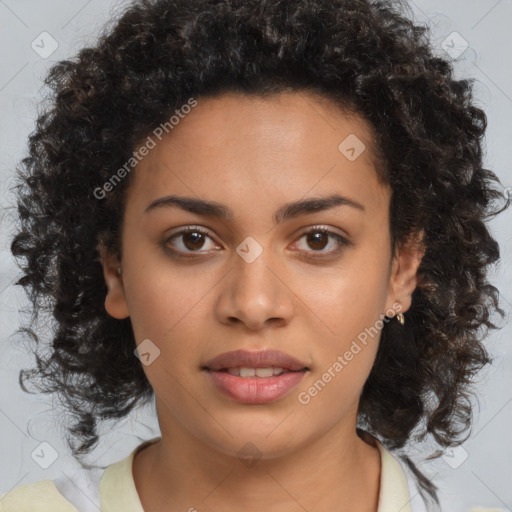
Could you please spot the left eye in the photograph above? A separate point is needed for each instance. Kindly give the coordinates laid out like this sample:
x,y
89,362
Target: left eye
x,y
318,239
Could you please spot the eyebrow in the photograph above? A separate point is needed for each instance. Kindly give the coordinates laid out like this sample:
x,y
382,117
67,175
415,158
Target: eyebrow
x,y
285,212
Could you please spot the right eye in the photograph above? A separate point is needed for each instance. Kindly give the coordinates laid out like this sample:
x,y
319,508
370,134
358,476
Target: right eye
x,y
189,240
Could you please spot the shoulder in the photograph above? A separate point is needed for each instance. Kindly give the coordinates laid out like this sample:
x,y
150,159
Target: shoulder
x,y
80,491
44,493
417,503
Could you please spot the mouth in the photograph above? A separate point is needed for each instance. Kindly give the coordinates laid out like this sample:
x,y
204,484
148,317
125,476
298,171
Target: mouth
x,y
255,377
245,372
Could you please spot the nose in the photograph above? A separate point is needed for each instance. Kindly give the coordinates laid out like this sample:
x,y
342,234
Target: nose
x,y
255,295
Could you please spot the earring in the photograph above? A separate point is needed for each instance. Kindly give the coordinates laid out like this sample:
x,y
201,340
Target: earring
x,y
119,270
400,317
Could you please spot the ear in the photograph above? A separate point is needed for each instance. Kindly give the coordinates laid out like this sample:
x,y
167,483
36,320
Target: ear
x,y
115,301
404,267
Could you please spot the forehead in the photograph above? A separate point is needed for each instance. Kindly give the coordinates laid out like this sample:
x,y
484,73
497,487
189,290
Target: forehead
x,y
252,149
277,121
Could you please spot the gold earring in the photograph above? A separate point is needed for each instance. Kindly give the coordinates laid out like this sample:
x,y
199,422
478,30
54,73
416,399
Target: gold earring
x,y
400,317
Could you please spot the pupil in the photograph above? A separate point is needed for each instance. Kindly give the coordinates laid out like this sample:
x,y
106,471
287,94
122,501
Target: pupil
x,y
317,238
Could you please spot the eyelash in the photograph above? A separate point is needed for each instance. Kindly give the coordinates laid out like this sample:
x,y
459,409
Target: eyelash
x,y
342,241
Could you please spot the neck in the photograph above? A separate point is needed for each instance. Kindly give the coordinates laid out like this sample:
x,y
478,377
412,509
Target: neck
x,y
338,471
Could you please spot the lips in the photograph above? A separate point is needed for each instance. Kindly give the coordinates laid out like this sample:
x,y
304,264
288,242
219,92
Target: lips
x,y
260,359
255,377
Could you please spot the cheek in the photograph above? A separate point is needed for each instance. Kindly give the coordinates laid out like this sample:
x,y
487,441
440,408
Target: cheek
x,y
163,299
352,297
351,305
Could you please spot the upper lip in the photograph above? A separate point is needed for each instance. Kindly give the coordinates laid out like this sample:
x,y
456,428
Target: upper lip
x,y
260,359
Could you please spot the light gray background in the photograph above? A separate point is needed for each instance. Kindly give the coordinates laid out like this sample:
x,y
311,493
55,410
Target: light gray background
x,y
26,421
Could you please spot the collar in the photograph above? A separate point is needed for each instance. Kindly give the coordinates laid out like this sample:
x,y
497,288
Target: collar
x,y
119,494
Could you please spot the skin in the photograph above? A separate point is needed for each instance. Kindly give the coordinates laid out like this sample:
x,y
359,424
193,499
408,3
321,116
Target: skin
x,y
254,155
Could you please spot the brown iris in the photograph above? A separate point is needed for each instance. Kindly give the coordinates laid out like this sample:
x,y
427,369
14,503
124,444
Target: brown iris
x,y
317,238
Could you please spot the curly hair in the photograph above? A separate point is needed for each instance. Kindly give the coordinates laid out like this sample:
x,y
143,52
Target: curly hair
x,y
366,56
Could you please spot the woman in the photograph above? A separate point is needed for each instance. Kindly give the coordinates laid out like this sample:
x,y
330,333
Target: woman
x,y
270,216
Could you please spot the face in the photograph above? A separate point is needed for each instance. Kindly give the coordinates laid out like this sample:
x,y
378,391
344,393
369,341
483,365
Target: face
x,y
308,282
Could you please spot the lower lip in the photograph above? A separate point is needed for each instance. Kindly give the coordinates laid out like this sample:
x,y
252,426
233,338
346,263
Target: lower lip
x,y
256,390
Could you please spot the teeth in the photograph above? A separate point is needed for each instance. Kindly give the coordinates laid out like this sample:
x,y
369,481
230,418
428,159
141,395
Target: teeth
x,y
247,372
255,372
